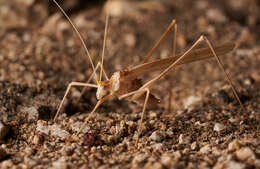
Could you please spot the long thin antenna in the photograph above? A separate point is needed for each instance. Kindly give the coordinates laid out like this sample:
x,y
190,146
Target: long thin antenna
x,y
78,34
104,45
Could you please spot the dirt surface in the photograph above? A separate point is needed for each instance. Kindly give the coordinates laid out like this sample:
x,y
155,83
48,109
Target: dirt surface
x,y
206,128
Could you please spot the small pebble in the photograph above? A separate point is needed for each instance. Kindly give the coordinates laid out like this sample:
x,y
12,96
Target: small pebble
x,y
113,139
158,146
166,160
37,139
155,165
93,149
235,165
247,82
169,133
190,101
206,149
219,166
245,153
106,148
140,158
219,127
60,164
194,145
156,136
30,163
7,164
56,131
216,15
184,139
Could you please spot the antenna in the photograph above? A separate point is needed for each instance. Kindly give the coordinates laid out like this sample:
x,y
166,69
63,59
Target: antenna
x,y
104,45
78,34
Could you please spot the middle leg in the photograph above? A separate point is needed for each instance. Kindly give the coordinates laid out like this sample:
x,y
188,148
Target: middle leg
x,y
136,94
174,26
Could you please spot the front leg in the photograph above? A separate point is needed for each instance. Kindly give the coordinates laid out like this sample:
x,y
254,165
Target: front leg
x,y
93,111
67,92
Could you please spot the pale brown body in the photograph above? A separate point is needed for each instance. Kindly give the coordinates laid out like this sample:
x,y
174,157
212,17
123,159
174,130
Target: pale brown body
x,y
129,81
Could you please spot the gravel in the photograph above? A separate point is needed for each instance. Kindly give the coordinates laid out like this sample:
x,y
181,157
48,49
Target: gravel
x,y
219,127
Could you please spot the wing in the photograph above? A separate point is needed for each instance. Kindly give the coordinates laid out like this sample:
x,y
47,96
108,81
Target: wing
x,y
160,64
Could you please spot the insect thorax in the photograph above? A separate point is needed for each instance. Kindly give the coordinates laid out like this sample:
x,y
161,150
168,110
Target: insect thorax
x,y
115,82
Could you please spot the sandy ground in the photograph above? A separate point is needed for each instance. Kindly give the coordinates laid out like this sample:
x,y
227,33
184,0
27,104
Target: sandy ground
x,y
206,128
